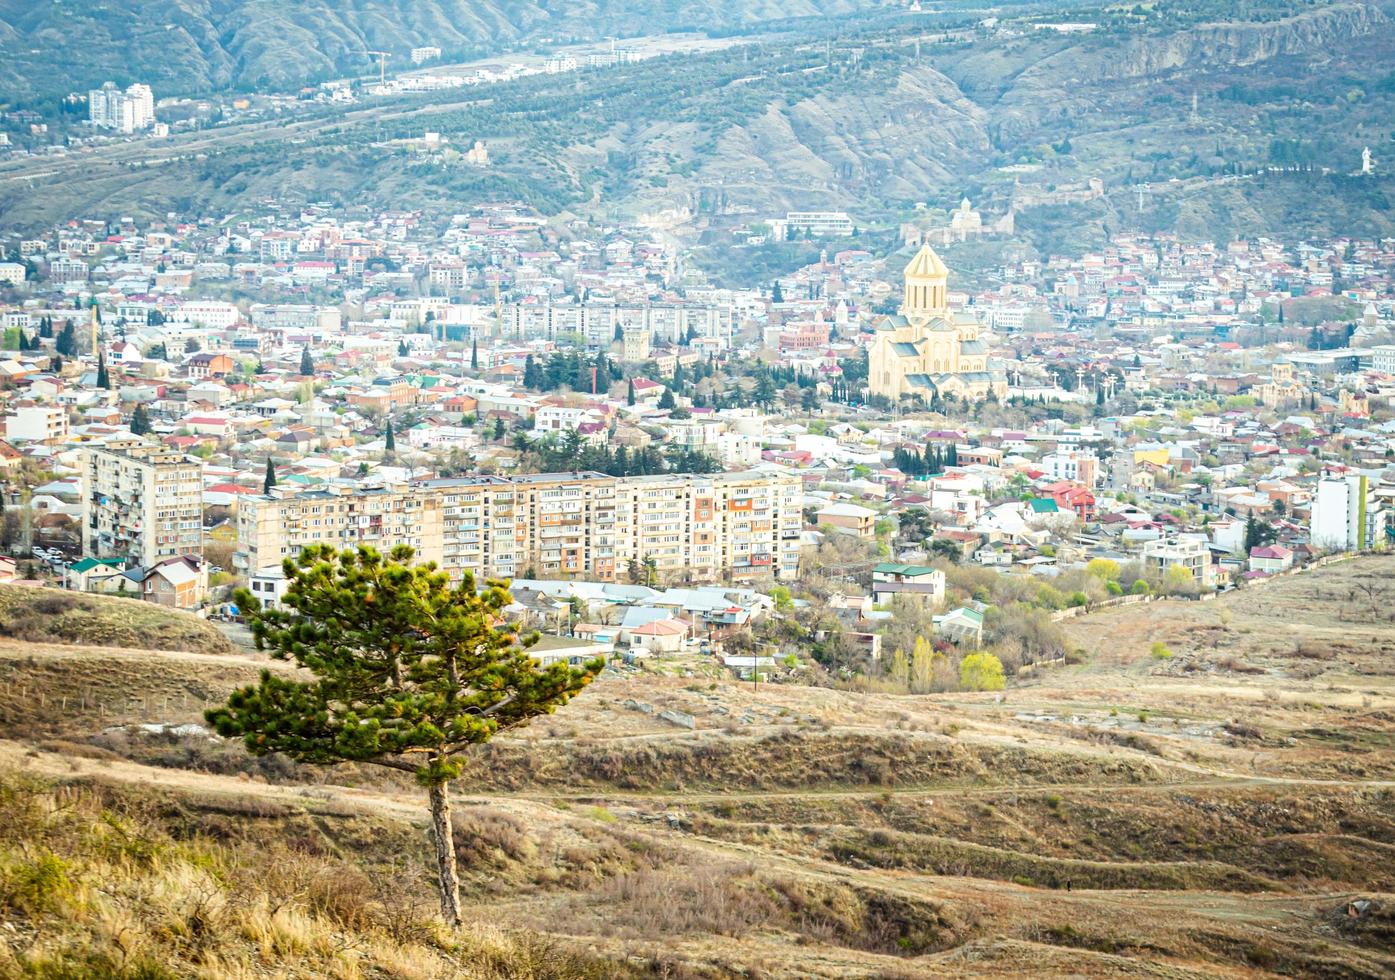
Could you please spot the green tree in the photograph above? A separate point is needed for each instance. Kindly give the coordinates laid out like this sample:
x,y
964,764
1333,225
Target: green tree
x,y
666,401
103,376
630,392
66,344
269,481
389,440
784,602
1258,534
409,672
474,355
307,363
777,294
981,672
1104,569
140,421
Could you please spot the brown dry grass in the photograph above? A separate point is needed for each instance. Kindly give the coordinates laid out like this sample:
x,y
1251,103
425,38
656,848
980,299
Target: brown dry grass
x,y
40,615
1211,815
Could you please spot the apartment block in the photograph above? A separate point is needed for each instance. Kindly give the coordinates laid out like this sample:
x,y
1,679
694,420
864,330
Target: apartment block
x,y
1188,552
273,528
141,502
559,525
714,527
37,423
1347,515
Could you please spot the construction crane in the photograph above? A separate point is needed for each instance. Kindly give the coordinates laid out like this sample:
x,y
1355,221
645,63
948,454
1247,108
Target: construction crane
x,y
383,56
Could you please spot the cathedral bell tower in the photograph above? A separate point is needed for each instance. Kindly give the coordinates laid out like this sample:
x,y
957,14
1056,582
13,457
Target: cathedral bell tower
x,y
927,281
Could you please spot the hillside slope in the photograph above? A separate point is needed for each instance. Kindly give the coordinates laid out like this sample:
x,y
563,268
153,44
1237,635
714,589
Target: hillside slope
x,y
871,125
41,615
1225,812
206,45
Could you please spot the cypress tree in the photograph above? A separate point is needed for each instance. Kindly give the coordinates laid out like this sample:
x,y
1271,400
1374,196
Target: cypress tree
x,y
307,363
390,440
140,422
103,377
67,340
630,392
474,355
270,480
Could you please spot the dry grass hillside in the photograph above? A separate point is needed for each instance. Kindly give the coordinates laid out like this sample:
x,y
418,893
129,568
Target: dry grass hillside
x,y
54,616
1227,811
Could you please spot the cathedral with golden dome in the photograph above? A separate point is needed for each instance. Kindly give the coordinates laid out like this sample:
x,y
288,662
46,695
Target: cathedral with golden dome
x,y
926,350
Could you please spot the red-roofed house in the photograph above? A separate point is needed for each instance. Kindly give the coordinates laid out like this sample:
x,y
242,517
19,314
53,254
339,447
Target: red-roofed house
x,y
661,636
1270,559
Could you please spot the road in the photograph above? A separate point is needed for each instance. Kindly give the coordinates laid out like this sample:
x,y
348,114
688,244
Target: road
x,y
157,152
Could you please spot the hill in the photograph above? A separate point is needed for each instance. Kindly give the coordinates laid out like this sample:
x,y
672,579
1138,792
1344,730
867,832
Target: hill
x,y
246,45
872,116
56,616
1225,811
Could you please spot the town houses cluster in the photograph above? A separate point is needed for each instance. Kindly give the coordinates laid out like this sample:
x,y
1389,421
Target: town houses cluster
x,y
579,409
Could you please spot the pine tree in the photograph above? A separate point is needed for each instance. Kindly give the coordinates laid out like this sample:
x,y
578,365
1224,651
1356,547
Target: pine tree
x,y
409,672
474,355
307,363
140,422
270,480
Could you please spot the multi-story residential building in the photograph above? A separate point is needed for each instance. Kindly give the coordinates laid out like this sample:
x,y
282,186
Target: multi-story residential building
x,y
1383,358
1187,551
279,526
1347,515
1078,465
727,525
37,423
67,270
557,525
141,502
820,223
110,108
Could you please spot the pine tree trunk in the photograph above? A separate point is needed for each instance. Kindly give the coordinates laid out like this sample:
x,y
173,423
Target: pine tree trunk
x,y
447,879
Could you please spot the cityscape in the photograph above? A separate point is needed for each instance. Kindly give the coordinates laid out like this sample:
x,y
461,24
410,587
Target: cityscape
x,y
475,503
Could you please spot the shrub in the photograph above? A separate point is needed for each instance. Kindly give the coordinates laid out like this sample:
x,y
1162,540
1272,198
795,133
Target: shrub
x,y
1159,651
981,672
